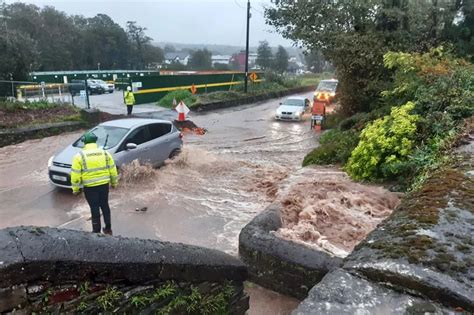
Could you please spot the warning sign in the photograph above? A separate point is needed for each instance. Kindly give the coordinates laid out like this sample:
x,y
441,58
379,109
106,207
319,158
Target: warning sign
x,y
253,76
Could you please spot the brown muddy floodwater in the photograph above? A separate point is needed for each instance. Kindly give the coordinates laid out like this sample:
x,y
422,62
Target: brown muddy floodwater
x,y
210,192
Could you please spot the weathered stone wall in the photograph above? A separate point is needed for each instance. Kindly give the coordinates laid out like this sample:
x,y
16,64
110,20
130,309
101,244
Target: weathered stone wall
x,y
278,264
65,271
420,260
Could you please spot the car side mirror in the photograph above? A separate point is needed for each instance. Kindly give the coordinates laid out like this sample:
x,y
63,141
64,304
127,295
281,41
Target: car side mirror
x,y
131,146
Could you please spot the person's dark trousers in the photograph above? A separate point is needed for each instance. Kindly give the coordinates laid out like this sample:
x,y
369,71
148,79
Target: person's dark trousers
x,y
129,109
98,198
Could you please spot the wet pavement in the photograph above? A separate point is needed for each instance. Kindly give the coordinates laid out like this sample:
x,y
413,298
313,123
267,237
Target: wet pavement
x,y
204,197
113,103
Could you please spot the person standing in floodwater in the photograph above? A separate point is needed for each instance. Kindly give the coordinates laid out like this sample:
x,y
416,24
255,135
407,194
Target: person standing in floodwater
x,y
129,100
94,169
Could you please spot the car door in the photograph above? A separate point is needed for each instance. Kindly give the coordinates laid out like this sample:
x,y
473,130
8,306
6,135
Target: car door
x,y
160,143
139,136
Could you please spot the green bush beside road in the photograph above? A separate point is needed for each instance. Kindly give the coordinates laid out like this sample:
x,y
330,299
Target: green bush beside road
x,y
273,83
335,148
417,120
179,95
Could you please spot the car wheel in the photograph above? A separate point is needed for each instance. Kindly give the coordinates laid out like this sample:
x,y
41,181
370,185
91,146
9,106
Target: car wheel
x,y
174,154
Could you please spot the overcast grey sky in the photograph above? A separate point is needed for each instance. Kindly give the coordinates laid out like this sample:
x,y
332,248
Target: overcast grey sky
x,y
181,21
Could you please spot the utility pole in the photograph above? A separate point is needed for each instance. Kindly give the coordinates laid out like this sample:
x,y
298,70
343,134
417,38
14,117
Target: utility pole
x,y
13,89
87,94
247,49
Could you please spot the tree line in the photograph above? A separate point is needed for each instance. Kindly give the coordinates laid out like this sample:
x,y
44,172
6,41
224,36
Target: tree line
x,y
267,61
45,39
355,35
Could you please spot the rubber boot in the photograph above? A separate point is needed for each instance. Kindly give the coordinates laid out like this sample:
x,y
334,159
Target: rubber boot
x,y
107,231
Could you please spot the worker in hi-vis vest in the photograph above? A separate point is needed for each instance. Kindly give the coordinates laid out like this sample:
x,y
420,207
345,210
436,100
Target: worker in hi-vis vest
x,y
94,169
129,100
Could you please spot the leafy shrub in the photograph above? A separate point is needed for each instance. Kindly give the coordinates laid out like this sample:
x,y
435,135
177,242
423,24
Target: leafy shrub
x,y
260,87
180,95
355,121
435,81
218,96
333,119
335,147
383,145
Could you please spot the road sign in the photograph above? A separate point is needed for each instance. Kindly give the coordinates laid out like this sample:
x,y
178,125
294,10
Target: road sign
x,y
193,89
253,76
136,86
182,110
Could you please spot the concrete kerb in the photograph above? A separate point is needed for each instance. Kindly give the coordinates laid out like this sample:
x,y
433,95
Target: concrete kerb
x,y
278,264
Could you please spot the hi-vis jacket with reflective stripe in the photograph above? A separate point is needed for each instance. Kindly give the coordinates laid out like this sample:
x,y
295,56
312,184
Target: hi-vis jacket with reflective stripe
x,y
129,98
92,167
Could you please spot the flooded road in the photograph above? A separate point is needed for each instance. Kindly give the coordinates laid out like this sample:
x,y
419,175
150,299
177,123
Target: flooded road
x,y
204,197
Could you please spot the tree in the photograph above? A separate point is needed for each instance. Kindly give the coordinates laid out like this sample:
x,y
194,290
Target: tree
x,y
201,59
17,56
71,42
221,66
153,55
139,40
112,53
264,55
354,36
315,61
176,66
281,60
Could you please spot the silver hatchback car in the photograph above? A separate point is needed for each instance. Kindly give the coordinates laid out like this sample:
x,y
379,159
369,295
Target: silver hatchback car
x,y
146,140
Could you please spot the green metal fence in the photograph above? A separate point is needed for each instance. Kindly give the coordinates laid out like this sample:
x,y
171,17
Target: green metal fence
x,y
67,76
152,88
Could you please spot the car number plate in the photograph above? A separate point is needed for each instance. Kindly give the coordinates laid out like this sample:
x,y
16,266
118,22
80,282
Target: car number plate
x,y
61,178
317,117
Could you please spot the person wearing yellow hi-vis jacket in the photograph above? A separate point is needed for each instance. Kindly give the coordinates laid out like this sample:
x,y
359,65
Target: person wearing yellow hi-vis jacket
x,y
129,100
94,169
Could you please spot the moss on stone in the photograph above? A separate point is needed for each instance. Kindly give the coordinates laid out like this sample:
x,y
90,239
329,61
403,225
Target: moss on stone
x,y
436,207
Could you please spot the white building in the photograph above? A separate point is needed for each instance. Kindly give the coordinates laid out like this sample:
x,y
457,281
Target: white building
x,y
223,59
174,57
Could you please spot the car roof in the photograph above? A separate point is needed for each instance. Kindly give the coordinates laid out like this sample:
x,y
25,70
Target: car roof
x,y
132,122
296,98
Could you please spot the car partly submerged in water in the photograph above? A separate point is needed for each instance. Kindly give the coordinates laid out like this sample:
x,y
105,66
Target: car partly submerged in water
x,y
292,109
150,141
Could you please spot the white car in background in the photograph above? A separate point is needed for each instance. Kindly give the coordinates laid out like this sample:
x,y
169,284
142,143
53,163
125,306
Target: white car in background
x,y
108,87
293,108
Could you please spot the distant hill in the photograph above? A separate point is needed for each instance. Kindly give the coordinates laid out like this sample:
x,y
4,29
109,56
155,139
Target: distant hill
x,y
225,49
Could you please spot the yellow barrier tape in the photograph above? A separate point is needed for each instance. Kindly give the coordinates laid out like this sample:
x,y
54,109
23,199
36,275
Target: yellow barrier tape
x,y
186,87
